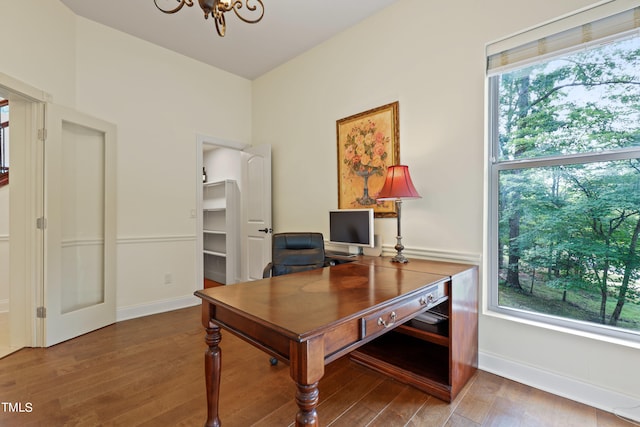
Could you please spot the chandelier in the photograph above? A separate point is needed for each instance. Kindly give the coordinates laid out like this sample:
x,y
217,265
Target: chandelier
x,y
217,9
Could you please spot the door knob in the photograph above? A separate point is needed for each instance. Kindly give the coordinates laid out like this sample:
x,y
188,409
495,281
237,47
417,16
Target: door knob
x,y
266,230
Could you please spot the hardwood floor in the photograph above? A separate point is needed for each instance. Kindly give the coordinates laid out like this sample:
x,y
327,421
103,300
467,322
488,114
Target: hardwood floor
x,y
149,371
5,348
208,283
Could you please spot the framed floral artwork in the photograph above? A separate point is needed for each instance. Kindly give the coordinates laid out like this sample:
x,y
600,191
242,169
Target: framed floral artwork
x,y
368,143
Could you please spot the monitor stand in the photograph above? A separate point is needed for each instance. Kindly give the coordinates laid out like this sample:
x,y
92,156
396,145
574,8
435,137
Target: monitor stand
x,y
348,254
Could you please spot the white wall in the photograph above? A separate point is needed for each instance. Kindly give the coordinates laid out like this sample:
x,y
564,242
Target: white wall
x,y
38,46
223,163
430,57
159,102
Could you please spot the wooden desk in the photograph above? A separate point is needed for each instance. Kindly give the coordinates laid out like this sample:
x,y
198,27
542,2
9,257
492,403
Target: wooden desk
x,y
310,319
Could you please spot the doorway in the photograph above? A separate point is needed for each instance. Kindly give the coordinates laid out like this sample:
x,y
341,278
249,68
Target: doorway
x,y
233,210
20,242
42,247
5,345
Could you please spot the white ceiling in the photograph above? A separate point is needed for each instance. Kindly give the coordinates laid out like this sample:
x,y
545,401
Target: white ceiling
x,y
289,27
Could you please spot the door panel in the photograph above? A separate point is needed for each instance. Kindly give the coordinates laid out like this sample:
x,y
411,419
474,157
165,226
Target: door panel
x,y
79,282
257,205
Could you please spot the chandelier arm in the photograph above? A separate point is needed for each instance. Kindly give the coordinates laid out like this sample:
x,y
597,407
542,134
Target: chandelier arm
x,y
217,9
238,4
221,26
181,4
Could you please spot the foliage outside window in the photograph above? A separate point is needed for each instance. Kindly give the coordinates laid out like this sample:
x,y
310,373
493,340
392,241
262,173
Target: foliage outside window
x,y
565,189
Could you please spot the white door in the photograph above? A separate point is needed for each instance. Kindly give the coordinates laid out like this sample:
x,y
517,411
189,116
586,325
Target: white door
x,y
80,233
257,210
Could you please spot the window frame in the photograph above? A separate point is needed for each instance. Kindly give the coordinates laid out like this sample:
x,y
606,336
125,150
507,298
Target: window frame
x,y
494,167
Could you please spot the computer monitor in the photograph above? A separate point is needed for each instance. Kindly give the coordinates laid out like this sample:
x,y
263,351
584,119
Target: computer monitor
x,y
351,227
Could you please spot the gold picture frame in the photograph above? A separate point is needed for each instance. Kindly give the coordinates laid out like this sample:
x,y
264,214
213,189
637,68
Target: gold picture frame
x,y
368,143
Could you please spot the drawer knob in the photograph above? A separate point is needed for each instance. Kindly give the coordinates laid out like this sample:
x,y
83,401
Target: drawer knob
x,y
424,300
392,320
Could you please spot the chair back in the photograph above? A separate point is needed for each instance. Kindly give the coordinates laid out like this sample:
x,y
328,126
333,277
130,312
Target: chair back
x,y
293,252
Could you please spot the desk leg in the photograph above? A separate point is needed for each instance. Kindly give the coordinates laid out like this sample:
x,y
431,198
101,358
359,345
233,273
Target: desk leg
x,y
212,363
307,400
307,367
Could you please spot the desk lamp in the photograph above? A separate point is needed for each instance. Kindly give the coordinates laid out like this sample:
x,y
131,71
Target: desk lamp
x,y
398,186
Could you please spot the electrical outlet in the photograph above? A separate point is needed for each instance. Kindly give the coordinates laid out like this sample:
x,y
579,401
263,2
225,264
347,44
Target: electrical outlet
x,y
168,279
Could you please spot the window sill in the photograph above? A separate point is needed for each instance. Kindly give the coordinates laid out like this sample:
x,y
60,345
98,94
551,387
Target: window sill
x,y
490,312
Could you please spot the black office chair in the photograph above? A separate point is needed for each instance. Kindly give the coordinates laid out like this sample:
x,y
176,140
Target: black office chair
x,y
294,252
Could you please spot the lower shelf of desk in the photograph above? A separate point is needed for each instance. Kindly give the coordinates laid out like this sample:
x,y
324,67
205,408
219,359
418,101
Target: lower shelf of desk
x,y
413,361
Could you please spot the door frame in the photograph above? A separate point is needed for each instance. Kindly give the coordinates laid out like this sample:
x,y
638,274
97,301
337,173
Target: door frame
x,y
201,141
26,275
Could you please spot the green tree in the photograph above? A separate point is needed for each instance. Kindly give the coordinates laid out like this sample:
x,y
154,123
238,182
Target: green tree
x,y
581,221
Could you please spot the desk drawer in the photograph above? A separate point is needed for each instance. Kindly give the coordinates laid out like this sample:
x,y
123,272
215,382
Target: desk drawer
x,y
403,310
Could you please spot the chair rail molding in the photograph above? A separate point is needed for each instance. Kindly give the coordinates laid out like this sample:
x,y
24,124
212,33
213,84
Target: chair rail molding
x,y
435,254
134,240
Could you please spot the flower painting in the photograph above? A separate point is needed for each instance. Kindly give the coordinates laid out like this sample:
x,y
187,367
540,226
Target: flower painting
x,y
367,145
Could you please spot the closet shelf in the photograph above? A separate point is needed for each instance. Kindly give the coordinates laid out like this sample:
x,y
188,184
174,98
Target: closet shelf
x,y
215,232
218,254
220,231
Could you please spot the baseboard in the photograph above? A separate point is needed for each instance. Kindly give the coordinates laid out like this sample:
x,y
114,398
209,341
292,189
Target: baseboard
x,y
589,394
155,307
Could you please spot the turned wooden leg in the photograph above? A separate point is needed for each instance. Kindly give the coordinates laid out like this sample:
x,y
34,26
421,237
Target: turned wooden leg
x,y
212,363
307,400
306,361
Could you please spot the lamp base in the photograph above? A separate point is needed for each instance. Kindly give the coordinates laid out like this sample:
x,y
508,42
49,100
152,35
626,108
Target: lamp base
x,y
400,258
399,248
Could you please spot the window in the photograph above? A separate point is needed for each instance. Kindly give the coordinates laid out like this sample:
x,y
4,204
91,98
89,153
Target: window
x,y
565,177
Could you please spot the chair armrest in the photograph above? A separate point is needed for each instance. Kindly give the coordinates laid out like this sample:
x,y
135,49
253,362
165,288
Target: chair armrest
x,y
267,271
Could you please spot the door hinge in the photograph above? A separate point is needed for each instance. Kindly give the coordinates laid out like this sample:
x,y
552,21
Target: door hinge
x,y
42,134
41,223
41,312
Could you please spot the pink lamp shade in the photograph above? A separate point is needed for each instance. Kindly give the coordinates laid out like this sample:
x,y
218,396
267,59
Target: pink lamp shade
x,y
398,184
